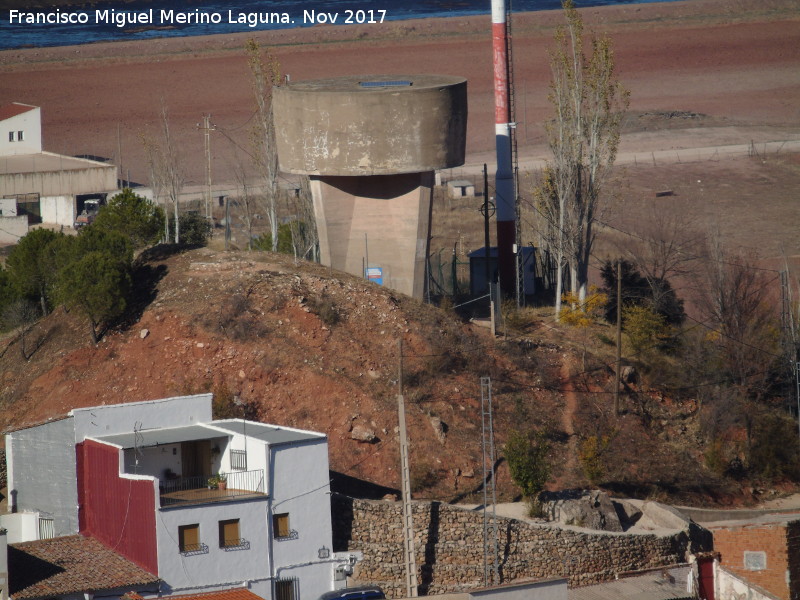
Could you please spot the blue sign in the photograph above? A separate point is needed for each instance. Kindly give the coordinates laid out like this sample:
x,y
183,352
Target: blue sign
x,y
375,275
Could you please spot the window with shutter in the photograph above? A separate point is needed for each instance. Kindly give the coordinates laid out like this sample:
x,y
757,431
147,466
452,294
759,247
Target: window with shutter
x,y
189,537
229,533
280,526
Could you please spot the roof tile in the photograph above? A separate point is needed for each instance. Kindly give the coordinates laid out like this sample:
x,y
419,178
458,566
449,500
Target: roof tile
x,y
69,565
13,109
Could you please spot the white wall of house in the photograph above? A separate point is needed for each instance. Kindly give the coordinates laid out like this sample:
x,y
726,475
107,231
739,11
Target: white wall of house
x,y
21,134
730,587
154,461
256,455
12,229
58,210
41,473
299,486
218,566
155,414
21,526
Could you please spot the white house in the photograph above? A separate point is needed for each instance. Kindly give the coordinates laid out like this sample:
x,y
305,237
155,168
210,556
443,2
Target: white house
x,y
136,478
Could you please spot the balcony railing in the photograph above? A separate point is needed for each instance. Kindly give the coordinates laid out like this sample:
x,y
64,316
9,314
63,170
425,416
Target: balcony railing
x,y
195,490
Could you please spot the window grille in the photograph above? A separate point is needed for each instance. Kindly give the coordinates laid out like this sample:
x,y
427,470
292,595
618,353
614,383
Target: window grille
x,y
46,529
238,460
287,589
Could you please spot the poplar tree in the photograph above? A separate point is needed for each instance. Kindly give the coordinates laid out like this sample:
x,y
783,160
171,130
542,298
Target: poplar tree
x,y
589,103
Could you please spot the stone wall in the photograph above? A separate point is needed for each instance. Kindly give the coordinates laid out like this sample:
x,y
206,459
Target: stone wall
x,y
450,555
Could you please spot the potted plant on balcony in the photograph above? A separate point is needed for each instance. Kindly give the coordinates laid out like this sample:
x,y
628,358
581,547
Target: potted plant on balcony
x,y
222,481
213,482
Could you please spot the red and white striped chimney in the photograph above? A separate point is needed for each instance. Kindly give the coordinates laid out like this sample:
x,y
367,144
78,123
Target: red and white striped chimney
x,y
505,198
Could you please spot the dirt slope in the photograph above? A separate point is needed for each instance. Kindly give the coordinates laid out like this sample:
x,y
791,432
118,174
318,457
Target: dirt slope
x,y
306,347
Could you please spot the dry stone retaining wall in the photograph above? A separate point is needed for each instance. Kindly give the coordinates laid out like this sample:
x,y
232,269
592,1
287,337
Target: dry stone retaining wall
x,y
450,556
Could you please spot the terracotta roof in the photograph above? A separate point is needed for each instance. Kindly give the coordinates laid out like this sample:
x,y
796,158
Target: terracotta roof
x,y
235,594
12,110
69,565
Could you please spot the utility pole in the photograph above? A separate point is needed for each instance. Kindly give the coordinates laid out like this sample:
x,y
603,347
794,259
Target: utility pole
x,y
207,128
486,226
408,522
619,336
120,173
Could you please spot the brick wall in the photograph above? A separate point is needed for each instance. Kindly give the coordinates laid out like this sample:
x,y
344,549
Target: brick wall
x,y
449,547
774,540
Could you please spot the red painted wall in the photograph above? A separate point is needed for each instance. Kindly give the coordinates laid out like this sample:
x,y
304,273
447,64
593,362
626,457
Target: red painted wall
x,y
121,513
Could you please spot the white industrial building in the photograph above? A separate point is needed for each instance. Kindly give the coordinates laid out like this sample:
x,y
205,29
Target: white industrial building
x,y
45,187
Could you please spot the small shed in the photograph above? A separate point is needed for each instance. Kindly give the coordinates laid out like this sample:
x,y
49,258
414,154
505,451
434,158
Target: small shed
x,y
461,188
477,270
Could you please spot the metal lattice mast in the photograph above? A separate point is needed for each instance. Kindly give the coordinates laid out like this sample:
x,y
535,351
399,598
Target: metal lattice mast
x,y
489,489
409,554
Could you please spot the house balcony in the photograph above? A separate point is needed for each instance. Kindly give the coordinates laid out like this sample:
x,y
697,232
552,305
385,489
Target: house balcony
x,y
239,485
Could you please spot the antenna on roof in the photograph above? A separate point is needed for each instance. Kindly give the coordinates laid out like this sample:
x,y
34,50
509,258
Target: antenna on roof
x,y
137,441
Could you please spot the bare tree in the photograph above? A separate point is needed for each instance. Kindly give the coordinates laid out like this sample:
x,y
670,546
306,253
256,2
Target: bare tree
x,y
304,229
22,315
266,74
667,246
166,169
584,136
736,300
246,201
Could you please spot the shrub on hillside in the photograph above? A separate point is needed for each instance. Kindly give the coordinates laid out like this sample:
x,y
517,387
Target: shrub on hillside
x,y
526,455
195,229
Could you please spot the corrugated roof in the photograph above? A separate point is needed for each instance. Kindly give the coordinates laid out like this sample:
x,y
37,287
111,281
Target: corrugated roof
x,y
653,586
267,433
70,565
235,594
48,162
158,437
13,109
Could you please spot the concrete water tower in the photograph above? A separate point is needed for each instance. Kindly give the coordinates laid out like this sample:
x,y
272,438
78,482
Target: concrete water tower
x,y
370,145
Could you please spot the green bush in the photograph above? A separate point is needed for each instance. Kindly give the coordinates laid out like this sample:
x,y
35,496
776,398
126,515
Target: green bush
x,y
590,455
195,229
285,245
645,328
137,218
527,461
